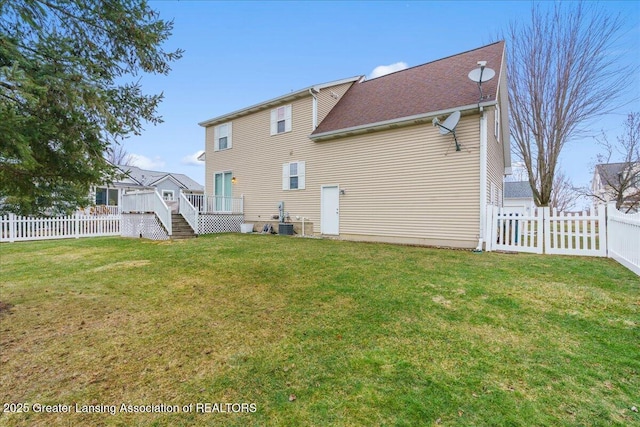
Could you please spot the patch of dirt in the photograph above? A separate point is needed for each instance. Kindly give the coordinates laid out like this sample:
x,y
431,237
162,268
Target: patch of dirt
x,y
4,307
123,264
439,299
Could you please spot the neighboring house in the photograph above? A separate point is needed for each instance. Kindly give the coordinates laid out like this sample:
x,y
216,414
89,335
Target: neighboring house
x,y
168,185
361,159
607,182
518,197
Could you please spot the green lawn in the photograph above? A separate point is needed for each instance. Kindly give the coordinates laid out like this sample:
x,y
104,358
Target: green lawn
x,y
311,332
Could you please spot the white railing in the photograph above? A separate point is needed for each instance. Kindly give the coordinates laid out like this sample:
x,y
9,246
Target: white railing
x,y
624,238
163,212
189,212
138,202
20,228
216,204
147,202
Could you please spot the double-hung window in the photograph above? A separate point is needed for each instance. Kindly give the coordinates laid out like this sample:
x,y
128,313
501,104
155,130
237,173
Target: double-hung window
x,y
293,176
222,136
281,120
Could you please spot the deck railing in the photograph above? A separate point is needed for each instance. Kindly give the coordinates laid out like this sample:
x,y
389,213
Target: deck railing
x,y
148,202
216,204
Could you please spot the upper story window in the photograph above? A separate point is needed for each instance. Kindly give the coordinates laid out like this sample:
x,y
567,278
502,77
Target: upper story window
x,y
281,120
222,136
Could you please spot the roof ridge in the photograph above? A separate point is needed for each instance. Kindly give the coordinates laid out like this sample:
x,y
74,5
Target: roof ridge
x,y
432,62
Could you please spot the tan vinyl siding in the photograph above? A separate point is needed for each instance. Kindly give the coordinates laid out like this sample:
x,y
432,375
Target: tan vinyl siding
x,y
495,158
406,185
326,100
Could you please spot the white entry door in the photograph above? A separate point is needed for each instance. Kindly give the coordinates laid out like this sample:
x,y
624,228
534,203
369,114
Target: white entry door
x,y
330,206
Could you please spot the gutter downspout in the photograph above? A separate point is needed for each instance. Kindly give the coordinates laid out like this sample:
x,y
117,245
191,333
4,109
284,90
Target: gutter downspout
x,y
483,177
314,119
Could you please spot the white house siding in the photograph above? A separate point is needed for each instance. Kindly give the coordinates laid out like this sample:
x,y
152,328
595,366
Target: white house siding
x,y
405,185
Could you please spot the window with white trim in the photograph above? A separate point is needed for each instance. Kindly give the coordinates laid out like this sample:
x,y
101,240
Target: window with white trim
x,y
167,195
496,130
222,137
293,176
281,120
106,196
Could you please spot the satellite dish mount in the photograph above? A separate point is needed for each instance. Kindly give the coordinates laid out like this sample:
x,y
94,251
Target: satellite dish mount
x,y
449,126
480,75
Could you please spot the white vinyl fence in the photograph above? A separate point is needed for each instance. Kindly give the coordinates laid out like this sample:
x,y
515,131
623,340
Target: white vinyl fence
x,y
510,231
577,233
624,238
546,231
20,228
603,232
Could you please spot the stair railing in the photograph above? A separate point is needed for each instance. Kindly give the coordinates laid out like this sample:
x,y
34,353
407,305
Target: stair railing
x,y
189,212
163,212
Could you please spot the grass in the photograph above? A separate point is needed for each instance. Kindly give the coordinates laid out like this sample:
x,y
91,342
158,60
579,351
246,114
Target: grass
x,y
315,332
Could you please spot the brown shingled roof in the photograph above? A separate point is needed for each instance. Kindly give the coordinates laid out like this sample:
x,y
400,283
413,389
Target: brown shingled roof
x,y
435,86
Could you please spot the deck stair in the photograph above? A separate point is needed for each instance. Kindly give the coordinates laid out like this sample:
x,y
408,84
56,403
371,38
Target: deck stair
x,y
181,228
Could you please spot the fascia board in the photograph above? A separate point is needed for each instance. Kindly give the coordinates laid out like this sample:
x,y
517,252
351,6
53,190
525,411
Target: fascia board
x,y
402,121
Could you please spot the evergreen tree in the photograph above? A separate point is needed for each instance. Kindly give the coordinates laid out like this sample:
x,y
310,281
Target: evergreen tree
x,y
69,89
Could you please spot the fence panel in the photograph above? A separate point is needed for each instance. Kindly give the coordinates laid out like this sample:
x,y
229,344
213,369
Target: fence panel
x,y
623,232
19,228
575,233
513,232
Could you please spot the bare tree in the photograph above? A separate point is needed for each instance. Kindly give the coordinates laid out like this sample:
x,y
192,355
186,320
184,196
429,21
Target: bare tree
x,y
117,155
561,75
563,195
620,180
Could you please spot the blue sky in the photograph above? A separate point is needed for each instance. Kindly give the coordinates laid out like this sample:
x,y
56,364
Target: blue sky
x,y
241,53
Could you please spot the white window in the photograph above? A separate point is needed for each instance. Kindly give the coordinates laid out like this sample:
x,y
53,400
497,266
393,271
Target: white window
x,y
293,176
496,131
167,195
222,136
106,196
281,120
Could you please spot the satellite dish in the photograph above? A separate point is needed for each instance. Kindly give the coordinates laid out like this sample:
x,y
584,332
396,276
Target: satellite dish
x,y
449,126
480,75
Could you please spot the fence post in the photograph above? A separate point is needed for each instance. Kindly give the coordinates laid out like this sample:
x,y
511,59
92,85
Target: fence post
x,y
489,228
608,207
602,228
546,226
77,225
12,227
